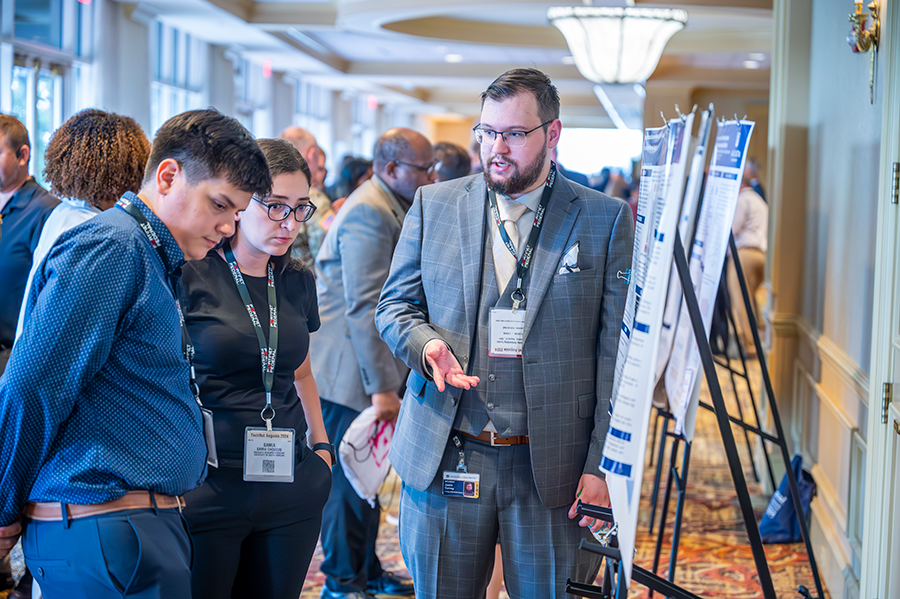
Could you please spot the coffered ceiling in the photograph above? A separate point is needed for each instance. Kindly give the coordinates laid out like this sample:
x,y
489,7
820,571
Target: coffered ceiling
x,y
437,55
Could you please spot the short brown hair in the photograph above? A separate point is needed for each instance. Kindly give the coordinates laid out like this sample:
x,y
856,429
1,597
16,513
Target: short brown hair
x,y
15,132
96,156
517,81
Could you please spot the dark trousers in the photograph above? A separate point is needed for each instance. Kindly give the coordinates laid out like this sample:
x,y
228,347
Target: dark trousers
x,y
135,553
349,523
254,539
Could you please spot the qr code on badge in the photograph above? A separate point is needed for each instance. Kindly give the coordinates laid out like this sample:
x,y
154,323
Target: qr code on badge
x,y
268,466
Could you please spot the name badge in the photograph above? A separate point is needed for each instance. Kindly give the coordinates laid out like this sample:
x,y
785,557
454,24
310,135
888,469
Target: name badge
x,y
269,455
461,484
209,433
507,333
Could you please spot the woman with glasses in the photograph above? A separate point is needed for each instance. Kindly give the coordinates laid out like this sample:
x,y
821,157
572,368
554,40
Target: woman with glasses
x,y
249,310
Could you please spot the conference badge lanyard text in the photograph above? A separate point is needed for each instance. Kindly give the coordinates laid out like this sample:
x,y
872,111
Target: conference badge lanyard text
x,y
209,433
268,452
506,329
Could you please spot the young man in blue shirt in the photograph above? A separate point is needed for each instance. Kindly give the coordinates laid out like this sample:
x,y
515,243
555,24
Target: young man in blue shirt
x,y
102,433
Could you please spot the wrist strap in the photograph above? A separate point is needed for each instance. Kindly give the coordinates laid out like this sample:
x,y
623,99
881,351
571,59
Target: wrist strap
x,y
329,447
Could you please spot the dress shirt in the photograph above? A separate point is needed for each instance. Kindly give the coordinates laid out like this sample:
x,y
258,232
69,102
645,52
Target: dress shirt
x,y
23,218
95,400
69,213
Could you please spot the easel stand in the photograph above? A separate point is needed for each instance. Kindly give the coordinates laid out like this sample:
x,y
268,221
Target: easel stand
x,y
650,579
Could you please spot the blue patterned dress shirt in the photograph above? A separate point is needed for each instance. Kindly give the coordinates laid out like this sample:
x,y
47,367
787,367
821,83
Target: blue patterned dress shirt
x,y
95,400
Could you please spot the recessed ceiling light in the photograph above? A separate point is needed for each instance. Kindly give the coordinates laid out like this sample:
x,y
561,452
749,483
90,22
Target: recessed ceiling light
x,y
454,58
568,59
757,56
751,64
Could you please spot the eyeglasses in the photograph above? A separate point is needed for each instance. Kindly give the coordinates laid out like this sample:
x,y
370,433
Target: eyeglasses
x,y
279,212
426,168
514,139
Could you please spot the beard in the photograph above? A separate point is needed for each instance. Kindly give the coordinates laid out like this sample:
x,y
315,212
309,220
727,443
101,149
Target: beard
x,y
519,180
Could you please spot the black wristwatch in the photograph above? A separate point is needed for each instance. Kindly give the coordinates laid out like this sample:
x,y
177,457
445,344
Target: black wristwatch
x,y
330,449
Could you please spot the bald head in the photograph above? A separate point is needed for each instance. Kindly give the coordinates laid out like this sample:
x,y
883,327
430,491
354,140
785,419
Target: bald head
x,y
404,161
306,144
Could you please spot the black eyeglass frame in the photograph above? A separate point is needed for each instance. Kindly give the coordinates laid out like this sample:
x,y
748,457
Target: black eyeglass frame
x,y
479,131
427,169
309,209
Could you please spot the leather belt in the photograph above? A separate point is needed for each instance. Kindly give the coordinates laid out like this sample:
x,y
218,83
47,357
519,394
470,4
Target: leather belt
x,y
132,500
495,440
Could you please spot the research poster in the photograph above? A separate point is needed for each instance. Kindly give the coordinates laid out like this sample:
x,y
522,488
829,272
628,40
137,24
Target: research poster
x,y
723,183
623,451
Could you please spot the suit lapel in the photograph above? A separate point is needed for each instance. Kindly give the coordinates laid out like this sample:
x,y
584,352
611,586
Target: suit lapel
x,y
558,224
470,207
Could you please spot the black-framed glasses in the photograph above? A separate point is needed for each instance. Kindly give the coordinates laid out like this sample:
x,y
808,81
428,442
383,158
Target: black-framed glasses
x,y
425,168
514,139
279,212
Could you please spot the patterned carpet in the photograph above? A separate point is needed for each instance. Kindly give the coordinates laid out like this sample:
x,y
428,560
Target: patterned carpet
x,y
714,559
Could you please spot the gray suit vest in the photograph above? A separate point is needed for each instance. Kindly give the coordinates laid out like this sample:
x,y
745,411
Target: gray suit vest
x,y
500,396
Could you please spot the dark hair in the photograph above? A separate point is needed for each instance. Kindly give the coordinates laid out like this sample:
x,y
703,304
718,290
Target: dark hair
x,y
15,132
352,168
96,156
452,161
208,145
283,158
518,81
392,145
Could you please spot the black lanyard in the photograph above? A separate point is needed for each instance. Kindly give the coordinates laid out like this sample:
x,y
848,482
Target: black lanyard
x,y
524,263
186,346
268,348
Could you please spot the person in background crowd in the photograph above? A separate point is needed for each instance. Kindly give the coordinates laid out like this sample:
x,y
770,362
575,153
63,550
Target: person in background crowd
x,y
353,366
255,538
24,208
570,175
602,180
475,158
309,239
318,181
453,161
750,228
113,149
752,173
101,432
527,421
354,172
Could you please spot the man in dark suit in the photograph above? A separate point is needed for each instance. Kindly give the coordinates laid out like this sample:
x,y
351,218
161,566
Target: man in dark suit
x,y
353,367
504,301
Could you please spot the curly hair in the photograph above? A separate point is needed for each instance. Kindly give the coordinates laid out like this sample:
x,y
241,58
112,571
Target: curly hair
x,y
96,156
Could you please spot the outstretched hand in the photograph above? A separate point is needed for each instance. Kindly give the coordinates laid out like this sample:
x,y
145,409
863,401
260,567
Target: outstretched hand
x,y
445,367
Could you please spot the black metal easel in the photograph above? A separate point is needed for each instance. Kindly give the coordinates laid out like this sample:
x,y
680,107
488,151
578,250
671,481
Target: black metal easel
x,y
652,580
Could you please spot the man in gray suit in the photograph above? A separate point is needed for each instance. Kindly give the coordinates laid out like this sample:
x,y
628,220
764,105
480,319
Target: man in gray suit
x,y
353,367
512,358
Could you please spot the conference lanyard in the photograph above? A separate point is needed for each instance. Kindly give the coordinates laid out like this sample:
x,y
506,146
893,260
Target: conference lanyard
x,y
186,346
524,263
268,348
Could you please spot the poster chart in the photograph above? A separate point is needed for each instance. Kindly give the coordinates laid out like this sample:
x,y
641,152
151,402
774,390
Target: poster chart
x,y
623,451
686,228
707,258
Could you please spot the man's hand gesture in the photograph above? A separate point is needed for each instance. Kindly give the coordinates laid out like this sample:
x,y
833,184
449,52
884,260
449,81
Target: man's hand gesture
x,y
445,368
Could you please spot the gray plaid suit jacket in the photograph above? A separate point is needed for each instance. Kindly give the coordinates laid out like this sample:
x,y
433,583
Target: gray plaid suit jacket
x,y
572,326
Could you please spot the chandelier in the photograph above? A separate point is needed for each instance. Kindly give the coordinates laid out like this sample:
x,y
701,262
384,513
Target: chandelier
x,y
616,44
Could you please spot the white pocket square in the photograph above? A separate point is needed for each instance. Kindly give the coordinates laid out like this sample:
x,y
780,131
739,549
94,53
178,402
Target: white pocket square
x,y
569,262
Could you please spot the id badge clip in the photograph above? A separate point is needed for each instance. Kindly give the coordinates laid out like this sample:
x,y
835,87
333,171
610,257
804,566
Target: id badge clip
x,y
506,332
269,454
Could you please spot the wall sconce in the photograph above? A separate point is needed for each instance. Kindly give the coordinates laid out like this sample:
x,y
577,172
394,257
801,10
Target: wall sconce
x,y
861,39
865,39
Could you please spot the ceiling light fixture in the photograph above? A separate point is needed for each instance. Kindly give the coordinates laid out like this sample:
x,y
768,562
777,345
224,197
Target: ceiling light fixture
x,y
568,59
751,64
454,58
615,44
760,56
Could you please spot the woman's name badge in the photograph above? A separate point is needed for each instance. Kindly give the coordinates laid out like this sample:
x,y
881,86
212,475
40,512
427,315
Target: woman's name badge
x,y
507,333
269,455
460,484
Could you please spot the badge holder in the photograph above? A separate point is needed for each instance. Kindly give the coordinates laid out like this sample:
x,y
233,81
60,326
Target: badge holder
x,y
269,452
460,483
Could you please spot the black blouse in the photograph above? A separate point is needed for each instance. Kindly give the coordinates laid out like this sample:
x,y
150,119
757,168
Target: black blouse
x,y
227,359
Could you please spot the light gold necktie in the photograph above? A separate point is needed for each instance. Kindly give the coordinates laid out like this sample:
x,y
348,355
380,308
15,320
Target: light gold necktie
x,y
504,262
